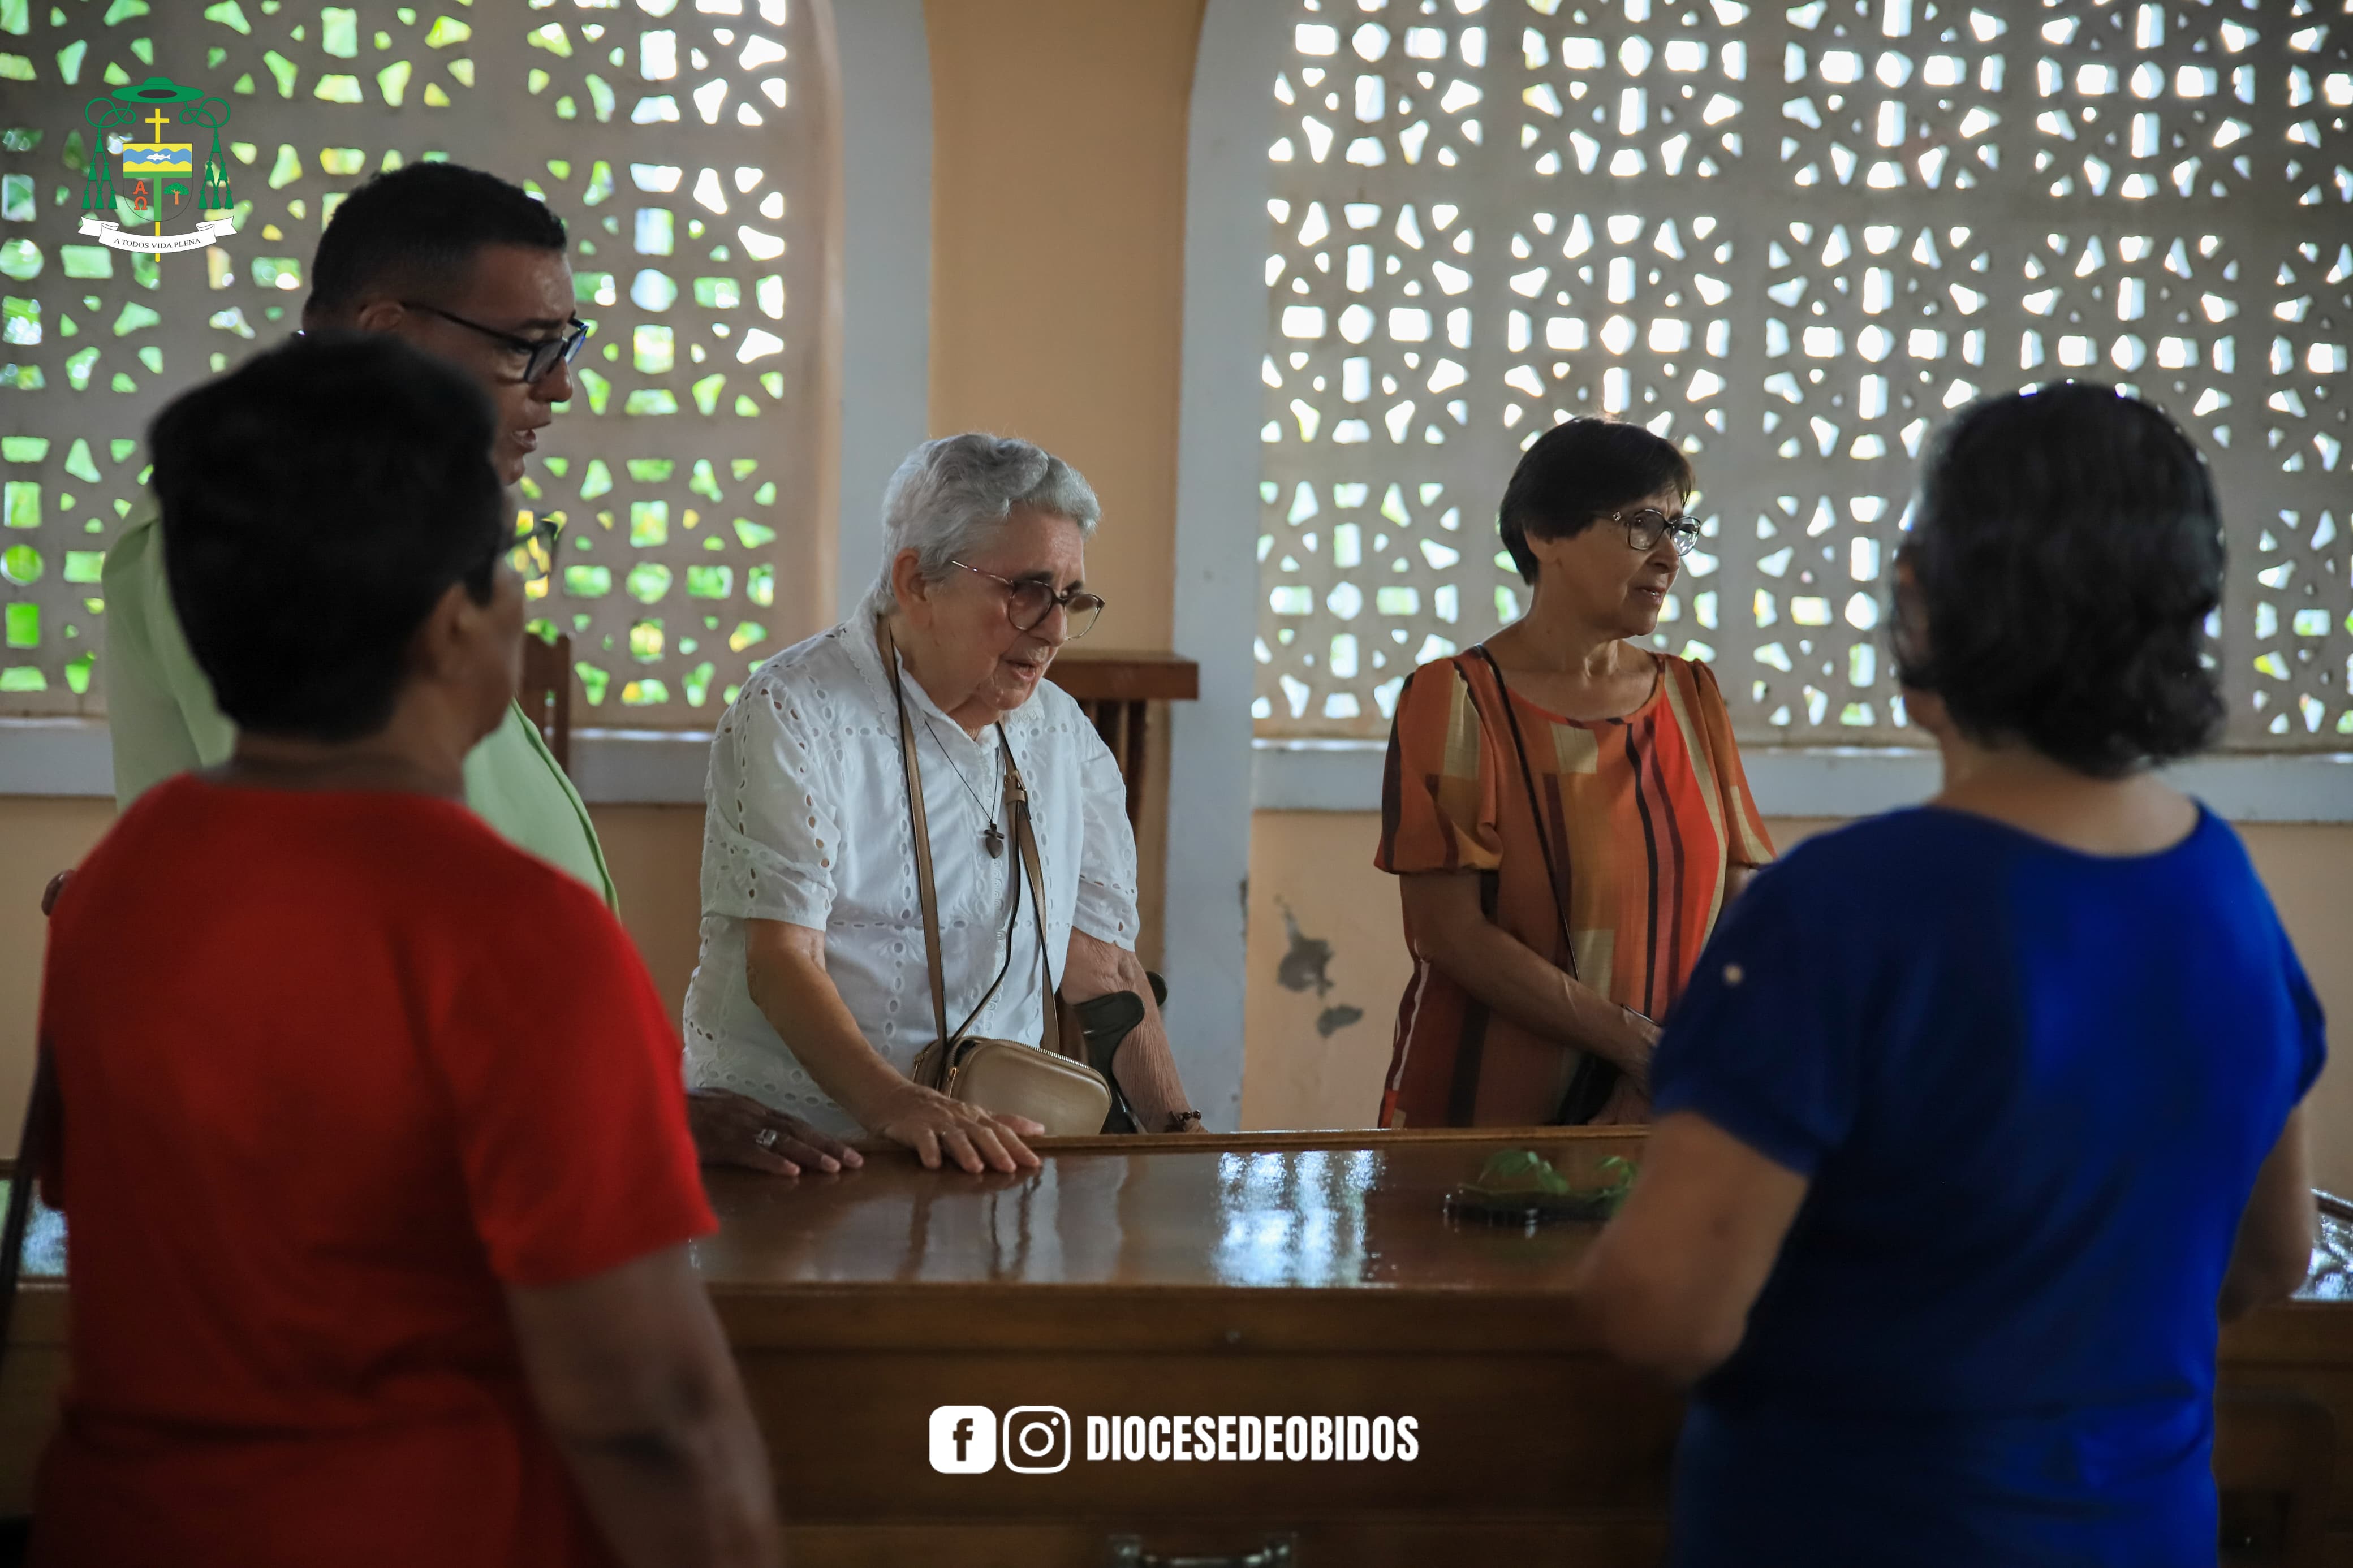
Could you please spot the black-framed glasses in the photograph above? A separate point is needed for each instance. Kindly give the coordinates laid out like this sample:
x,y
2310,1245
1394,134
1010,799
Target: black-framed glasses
x,y
1645,528
541,355
532,550
1027,604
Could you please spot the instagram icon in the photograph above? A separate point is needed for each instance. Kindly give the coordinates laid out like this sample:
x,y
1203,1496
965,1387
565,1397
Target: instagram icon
x,y
1037,1439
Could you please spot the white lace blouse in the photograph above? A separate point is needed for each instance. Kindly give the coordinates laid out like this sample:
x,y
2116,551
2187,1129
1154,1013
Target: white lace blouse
x,y
806,821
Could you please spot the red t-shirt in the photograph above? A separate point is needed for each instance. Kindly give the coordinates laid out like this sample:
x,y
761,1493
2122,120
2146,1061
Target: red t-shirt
x,y
335,1069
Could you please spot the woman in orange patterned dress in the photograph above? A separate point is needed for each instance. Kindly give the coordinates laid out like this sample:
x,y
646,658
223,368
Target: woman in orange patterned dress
x,y
1566,811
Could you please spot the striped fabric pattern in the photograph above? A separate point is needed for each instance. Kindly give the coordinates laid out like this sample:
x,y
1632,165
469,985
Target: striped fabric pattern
x,y
1652,809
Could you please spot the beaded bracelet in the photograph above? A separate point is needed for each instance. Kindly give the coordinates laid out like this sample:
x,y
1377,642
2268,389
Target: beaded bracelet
x,y
1178,1121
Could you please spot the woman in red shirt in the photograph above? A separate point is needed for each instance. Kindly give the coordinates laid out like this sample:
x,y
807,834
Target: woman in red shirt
x,y
370,1137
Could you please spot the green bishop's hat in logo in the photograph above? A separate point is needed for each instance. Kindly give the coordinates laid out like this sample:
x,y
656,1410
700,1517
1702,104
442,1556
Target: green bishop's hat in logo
x,y
156,89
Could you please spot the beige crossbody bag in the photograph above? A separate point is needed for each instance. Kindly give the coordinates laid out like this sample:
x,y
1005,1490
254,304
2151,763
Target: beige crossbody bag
x,y
1008,1078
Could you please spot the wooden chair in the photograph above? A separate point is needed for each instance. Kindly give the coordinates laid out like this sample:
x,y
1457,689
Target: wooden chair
x,y
546,693
1117,689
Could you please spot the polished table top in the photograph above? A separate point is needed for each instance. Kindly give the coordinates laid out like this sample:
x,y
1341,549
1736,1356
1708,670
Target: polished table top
x,y
1353,1216
1350,1211
1344,1209
1332,1242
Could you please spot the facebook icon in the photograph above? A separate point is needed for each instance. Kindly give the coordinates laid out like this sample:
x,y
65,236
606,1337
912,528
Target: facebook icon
x,y
964,1439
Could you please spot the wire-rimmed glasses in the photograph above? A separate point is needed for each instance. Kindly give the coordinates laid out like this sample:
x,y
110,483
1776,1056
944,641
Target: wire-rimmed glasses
x,y
1028,604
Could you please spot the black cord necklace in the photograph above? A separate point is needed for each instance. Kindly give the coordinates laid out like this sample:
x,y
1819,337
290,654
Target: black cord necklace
x,y
992,835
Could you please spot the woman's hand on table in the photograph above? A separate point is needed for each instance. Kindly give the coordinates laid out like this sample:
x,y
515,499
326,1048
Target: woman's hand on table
x,y
728,1127
785,971
939,1128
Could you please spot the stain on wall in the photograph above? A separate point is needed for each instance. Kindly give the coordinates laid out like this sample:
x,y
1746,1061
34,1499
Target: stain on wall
x,y
1323,976
1335,1018
1306,960
1306,964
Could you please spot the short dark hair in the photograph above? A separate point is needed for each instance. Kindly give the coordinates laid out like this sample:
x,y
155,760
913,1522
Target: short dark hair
x,y
317,502
2065,552
1578,472
415,230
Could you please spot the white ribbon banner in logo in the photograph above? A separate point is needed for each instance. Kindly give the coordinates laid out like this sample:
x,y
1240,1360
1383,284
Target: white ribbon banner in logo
x,y
204,234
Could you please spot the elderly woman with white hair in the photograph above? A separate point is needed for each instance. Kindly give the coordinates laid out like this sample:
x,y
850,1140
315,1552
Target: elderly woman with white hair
x,y
814,994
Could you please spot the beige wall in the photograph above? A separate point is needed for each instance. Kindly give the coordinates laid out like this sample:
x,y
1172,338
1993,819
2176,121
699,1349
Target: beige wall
x,y
1057,246
655,852
1317,868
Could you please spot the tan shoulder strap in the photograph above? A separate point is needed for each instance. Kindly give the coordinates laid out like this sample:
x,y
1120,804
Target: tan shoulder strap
x,y
922,833
1017,806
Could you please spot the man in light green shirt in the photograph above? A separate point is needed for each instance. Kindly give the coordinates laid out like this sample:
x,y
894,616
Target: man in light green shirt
x,y
471,269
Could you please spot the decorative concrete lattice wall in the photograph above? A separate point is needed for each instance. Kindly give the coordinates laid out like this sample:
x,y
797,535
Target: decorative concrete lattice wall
x,y
1790,238
684,141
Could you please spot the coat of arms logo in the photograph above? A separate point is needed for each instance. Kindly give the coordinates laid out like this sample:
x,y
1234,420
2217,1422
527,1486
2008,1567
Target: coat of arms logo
x,y
161,181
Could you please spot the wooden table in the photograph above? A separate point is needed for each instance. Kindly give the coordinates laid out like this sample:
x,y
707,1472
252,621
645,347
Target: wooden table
x,y
1293,1275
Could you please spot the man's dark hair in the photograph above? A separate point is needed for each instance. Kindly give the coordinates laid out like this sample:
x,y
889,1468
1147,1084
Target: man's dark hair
x,y
1580,472
414,232
317,504
2066,552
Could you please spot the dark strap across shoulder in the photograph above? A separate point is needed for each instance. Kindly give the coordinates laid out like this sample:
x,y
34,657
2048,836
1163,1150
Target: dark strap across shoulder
x,y
1025,837
1536,808
1589,1086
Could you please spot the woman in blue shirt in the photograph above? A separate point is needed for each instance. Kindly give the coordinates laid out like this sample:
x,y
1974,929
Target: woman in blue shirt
x,y
1977,1116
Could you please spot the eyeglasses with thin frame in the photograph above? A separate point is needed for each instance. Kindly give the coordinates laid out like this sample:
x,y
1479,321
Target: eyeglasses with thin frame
x,y
1647,526
1027,604
541,355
